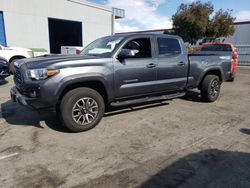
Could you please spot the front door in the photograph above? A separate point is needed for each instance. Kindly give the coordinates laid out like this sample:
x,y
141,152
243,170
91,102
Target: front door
x,y
137,75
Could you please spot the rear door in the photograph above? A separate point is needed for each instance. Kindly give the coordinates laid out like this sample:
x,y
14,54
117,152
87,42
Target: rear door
x,y
172,69
136,76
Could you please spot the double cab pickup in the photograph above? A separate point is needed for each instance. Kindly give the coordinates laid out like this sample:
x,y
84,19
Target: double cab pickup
x,y
114,71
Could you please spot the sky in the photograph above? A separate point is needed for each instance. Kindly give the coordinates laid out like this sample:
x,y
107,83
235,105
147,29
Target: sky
x,y
156,14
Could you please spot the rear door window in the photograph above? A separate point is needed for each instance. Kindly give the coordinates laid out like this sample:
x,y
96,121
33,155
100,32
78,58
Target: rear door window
x,y
168,46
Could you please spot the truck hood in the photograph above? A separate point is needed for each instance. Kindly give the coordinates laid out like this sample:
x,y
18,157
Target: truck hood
x,y
57,61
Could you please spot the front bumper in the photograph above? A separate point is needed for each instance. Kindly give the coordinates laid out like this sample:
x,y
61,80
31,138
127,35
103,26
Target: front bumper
x,y
17,97
32,103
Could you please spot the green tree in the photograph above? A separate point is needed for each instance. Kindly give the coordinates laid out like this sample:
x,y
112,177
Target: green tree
x,y
221,25
193,22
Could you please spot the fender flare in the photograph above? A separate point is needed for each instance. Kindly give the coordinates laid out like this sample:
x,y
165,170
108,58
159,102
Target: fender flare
x,y
80,79
210,69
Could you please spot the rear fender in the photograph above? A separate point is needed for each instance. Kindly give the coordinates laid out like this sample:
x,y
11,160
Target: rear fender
x,y
212,70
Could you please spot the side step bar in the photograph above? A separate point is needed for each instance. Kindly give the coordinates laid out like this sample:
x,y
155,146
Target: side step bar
x,y
147,99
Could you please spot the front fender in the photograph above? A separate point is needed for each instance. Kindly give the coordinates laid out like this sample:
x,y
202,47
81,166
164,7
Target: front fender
x,y
80,79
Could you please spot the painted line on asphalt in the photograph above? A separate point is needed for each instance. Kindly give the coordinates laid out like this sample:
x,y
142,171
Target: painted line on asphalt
x,y
8,156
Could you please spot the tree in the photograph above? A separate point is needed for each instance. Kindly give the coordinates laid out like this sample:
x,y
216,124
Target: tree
x,y
192,22
221,25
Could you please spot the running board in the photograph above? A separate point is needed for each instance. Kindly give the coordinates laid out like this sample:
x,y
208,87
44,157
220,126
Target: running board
x,y
147,99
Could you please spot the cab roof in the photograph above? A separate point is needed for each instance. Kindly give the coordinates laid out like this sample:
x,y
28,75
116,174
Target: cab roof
x,y
129,35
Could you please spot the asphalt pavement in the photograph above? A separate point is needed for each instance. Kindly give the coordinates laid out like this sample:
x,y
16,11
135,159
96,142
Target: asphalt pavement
x,y
182,142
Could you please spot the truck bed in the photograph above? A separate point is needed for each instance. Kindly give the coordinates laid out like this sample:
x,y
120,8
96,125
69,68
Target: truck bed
x,y
201,62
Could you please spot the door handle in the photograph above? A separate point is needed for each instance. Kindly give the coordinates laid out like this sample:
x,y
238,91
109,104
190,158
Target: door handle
x,y
181,63
151,65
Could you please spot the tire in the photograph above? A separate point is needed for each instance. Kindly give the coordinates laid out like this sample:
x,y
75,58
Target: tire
x,y
210,88
81,109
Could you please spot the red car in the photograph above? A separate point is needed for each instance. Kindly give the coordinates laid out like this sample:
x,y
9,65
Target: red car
x,y
223,47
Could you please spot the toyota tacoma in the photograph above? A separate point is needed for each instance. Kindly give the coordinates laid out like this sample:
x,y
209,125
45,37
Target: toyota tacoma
x,y
116,70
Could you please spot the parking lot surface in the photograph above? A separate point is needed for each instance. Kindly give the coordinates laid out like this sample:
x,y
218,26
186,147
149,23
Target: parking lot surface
x,y
178,143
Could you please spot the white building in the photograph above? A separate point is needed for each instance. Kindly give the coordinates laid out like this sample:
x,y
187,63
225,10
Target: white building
x,y
50,24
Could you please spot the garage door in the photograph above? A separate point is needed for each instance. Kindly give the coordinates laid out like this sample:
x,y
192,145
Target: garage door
x,y
64,33
2,30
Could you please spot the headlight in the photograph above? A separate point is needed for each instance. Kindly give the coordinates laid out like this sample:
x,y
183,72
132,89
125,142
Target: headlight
x,y
41,74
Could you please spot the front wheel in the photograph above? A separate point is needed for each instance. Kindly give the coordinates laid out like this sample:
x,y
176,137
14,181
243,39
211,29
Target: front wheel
x,y
210,88
81,109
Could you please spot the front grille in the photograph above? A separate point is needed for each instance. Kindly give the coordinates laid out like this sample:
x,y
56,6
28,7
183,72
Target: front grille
x,y
18,76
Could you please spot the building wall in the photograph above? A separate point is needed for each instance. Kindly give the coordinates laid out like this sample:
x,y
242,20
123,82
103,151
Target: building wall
x,y
241,35
26,21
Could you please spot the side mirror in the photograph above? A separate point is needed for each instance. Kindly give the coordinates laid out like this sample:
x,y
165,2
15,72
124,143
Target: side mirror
x,y
126,53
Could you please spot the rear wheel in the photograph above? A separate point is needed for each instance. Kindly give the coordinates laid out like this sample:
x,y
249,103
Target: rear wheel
x,y
210,88
81,109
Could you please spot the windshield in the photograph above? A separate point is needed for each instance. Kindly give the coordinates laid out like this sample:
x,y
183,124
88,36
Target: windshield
x,y
103,47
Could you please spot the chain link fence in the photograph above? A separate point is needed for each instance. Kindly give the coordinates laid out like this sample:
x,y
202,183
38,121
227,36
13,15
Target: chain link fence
x,y
244,54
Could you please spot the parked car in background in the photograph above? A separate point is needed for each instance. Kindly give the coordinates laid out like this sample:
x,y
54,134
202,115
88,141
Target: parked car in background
x,y
221,47
4,68
11,54
71,49
115,71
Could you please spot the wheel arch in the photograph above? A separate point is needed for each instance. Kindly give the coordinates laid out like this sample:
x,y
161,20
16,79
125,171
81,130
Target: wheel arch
x,y
218,72
94,84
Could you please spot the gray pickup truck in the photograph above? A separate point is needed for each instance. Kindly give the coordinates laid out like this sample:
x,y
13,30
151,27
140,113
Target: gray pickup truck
x,y
115,71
